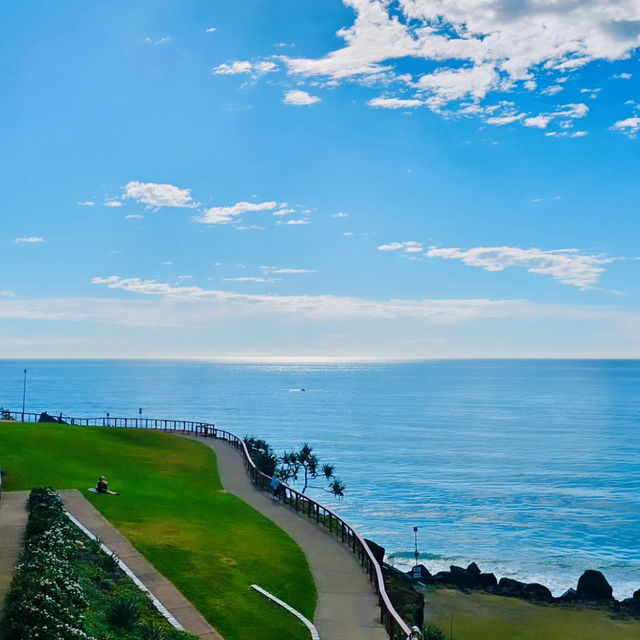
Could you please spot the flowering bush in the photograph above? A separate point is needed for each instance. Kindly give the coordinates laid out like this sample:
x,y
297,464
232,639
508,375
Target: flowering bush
x,y
46,600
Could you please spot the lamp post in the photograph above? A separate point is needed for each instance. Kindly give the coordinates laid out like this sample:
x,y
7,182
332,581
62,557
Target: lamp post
x,y
24,392
416,571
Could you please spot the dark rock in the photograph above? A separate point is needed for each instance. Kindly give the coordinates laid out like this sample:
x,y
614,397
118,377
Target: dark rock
x,y
538,592
377,550
636,595
592,585
570,595
510,587
474,568
443,577
463,577
487,580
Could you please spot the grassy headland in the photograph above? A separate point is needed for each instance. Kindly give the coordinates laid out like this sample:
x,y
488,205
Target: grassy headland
x,y
209,543
482,616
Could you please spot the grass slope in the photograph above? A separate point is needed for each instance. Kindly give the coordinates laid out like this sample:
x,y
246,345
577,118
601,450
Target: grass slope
x,y
481,616
209,543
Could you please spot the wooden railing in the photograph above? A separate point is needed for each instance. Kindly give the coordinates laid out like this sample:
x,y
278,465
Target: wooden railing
x,y
395,626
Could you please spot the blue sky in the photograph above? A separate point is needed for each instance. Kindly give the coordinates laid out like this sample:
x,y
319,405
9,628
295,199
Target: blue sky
x,y
344,179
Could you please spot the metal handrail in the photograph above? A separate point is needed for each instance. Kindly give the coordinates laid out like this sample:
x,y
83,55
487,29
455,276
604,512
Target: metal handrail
x,y
389,617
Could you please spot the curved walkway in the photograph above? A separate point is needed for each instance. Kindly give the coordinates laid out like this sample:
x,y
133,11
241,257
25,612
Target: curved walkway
x,y
347,603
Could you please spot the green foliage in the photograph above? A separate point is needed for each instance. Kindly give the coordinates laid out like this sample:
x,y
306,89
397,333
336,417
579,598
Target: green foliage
x,y
433,632
262,454
306,463
123,613
209,543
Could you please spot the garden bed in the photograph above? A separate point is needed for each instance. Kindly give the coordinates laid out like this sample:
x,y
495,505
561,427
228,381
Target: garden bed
x,y
67,588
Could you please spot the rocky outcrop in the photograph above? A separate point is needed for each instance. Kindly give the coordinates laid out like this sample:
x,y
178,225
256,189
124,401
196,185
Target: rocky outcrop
x,y
593,586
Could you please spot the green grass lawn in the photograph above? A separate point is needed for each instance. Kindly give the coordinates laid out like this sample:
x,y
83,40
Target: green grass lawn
x,y
209,543
481,616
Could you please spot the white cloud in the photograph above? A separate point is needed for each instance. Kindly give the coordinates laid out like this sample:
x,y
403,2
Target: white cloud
x,y
552,90
7,294
568,266
29,240
112,203
340,214
411,246
250,279
465,50
225,215
628,126
348,234
163,40
244,66
284,270
320,306
86,203
506,119
299,98
158,195
296,222
539,122
284,212
133,216
396,103
622,76
210,30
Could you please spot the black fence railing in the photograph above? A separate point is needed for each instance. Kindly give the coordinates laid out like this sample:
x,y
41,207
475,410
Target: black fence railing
x,y
343,532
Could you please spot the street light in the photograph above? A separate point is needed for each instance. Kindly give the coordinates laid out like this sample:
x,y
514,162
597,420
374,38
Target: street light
x,y
24,392
416,572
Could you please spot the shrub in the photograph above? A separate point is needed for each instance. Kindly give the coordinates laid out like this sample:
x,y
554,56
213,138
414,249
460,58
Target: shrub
x,y
123,613
433,632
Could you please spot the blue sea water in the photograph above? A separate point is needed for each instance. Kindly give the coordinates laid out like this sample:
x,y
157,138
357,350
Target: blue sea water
x,y
531,468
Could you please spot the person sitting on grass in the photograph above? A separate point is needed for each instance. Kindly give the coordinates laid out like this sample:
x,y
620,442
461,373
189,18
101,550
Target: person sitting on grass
x,y
103,487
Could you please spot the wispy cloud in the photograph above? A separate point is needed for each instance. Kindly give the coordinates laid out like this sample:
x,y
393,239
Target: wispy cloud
x,y
225,215
299,98
112,203
244,66
284,270
210,30
156,195
628,126
340,214
410,246
29,240
298,221
568,266
7,294
250,279
133,216
86,203
439,311
159,41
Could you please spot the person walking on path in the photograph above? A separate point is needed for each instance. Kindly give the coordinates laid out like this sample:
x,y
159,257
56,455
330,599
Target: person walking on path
x,y
275,487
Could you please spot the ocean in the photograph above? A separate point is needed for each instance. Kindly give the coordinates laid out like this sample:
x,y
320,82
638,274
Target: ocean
x,y
530,468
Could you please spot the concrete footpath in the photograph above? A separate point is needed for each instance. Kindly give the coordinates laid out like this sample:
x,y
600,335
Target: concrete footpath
x,y
347,602
13,520
179,607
